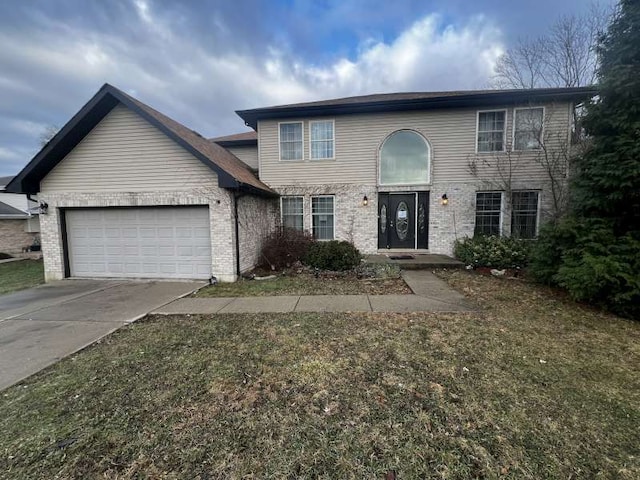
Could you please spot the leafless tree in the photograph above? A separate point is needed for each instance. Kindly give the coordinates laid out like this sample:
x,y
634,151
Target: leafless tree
x,y
48,133
564,57
554,153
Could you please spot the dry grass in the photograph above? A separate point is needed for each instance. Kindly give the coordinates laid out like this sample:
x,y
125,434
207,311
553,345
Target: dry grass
x,y
533,387
307,284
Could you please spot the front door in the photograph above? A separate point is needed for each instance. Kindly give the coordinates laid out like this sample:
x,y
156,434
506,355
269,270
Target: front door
x,y
397,220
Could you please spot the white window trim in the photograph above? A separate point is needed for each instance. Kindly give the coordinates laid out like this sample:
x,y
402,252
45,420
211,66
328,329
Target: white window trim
x,y
424,139
280,142
333,126
282,210
504,130
334,217
502,209
513,129
537,209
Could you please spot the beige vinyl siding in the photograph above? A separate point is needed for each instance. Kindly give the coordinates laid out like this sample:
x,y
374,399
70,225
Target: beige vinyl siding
x,y
248,155
125,153
451,134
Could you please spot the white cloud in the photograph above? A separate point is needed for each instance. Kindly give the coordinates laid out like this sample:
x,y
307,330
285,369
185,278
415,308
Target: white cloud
x,y
201,84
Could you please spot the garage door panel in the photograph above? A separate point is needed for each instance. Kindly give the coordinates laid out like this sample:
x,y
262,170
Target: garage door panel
x,y
139,242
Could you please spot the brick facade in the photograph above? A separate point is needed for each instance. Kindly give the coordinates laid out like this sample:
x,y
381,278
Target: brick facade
x,y
221,223
257,218
354,221
358,224
14,236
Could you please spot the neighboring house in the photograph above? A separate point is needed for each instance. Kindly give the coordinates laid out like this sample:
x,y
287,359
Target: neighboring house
x,y
132,193
19,225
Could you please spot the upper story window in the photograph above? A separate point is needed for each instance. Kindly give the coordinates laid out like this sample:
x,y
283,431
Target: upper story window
x,y
527,128
491,131
404,159
291,141
321,133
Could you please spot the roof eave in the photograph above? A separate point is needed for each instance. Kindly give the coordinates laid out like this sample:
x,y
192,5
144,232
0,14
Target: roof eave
x,y
28,180
237,143
251,117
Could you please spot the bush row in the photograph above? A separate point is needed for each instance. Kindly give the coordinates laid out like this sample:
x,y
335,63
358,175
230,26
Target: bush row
x,y
285,247
493,251
586,258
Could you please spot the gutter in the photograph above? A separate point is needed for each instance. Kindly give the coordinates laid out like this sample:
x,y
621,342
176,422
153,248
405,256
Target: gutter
x,y
236,196
252,116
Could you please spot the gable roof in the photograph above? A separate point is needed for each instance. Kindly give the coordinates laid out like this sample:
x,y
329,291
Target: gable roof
x,y
394,102
7,211
244,139
231,171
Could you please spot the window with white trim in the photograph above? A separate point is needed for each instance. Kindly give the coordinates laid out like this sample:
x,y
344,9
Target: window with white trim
x,y
491,128
488,211
292,209
322,216
321,133
291,141
524,214
527,130
404,159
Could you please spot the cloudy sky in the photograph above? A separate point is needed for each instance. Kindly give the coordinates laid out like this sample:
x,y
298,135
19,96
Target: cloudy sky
x,y
198,61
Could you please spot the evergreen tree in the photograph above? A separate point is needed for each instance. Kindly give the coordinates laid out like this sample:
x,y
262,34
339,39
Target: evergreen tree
x,y
607,183
595,252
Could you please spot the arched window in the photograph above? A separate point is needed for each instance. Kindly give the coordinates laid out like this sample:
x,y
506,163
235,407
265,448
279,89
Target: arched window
x,y
404,159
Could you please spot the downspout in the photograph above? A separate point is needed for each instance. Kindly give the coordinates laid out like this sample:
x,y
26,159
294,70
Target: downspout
x,y
236,196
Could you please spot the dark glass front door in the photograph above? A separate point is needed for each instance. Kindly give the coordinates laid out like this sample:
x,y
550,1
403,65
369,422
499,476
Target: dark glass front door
x,y
397,220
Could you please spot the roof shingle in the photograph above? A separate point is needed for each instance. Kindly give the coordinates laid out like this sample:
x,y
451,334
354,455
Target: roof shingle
x,y
218,155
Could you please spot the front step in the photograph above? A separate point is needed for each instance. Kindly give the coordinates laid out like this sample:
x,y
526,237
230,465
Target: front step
x,y
418,262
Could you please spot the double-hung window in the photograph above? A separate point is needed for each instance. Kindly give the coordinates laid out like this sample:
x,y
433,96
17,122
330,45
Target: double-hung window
x,y
292,209
491,128
322,217
524,214
488,212
527,129
291,141
322,142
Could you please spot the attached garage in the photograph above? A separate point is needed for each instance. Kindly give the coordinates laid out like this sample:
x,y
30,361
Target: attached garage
x,y
128,192
154,242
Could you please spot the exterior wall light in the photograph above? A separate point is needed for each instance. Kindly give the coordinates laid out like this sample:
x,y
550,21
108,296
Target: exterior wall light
x,y
43,208
365,201
445,200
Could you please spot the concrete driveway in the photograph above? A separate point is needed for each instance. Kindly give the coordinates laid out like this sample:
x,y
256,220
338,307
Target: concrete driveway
x,y
41,325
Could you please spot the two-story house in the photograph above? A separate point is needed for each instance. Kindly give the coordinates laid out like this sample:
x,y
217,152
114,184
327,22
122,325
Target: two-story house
x,y
133,193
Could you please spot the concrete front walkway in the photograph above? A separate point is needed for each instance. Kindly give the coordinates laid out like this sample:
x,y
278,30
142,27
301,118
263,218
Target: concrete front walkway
x,y
41,325
430,295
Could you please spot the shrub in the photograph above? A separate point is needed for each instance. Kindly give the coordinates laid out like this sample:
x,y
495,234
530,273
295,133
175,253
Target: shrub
x,y
284,247
493,251
548,250
602,268
333,255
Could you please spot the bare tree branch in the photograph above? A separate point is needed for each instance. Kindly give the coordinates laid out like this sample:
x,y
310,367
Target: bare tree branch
x,y
564,57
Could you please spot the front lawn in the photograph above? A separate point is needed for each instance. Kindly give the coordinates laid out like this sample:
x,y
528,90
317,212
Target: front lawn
x,y
532,387
19,275
307,284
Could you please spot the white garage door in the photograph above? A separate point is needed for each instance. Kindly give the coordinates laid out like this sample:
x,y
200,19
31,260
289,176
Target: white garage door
x,y
139,242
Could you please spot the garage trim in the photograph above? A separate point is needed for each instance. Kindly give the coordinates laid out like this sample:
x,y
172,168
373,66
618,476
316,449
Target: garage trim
x,y
65,234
